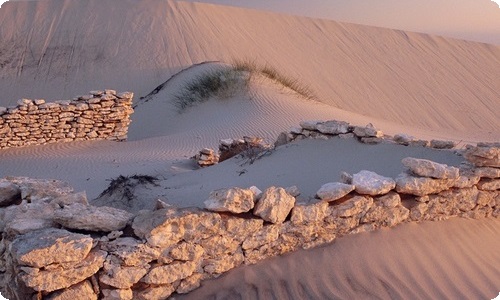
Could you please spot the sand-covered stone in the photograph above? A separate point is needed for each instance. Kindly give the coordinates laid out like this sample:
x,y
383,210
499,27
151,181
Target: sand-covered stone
x,y
274,205
421,186
371,183
427,168
333,191
235,200
92,218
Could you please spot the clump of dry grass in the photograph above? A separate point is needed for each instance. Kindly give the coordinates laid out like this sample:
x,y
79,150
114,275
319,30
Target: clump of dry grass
x,y
227,82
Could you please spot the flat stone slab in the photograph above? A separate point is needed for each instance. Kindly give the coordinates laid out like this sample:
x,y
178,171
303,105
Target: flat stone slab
x,y
371,183
427,168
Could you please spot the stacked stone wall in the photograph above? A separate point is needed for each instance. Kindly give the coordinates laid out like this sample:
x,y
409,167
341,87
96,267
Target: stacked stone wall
x,y
55,245
97,116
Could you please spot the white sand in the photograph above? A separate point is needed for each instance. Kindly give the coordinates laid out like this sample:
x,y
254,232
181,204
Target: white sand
x,y
427,86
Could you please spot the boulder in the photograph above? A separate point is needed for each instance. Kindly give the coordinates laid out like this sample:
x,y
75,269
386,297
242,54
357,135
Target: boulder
x,y
309,213
333,127
367,131
9,193
310,125
265,236
355,207
166,227
403,139
235,200
132,252
50,246
27,217
121,277
427,168
483,156
438,144
333,191
34,190
92,218
274,205
60,277
370,183
421,186
171,273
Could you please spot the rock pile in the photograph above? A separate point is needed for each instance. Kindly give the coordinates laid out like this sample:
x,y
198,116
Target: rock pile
x,y
250,146
99,115
366,134
56,246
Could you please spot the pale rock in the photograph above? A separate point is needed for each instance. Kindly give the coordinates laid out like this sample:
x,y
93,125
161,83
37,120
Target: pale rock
x,y
226,142
131,251
238,228
390,200
310,125
35,190
190,283
92,218
487,172
385,216
185,251
169,273
356,206
346,136
235,200
420,143
421,186
438,144
117,294
256,191
282,139
296,130
373,140
24,102
333,191
224,263
309,213
346,178
370,183
27,217
262,237
50,246
274,205
121,277
333,127
293,191
403,139
427,168
60,278
367,131
155,292
489,184
166,227
483,156
9,193
466,181
79,291
216,246
419,211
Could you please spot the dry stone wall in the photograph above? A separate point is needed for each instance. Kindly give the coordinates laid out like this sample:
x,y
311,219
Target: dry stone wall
x,y
99,115
54,245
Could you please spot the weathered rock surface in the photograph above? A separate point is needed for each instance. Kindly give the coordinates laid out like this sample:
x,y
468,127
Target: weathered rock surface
x,y
438,144
356,206
487,172
386,211
235,200
421,186
206,157
50,246
489,184
92,218
370,183
121,277
9,193
274,205
309,213
367,131
333,127
131,251
79,291
333,191
427,168
169,273
483,156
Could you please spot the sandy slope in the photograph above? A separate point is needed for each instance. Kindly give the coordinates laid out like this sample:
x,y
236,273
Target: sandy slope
x,y
407,78
454,259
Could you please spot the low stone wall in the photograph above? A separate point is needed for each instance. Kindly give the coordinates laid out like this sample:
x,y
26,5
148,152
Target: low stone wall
x,y
99,115
55,245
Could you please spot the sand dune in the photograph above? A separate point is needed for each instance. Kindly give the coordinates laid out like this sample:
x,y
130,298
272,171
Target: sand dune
x,y
455,259
127,45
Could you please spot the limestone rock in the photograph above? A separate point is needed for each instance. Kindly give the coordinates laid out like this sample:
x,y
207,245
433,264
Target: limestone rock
x,y
59,278
487,172
117,294
9,193
421,186
370,183
333,191
216,246
257,192
309,213
131,251
166,227
274,205
403,139
206,157
427,168
310,125
27,217
79,291
483,156
438,144
155,292
185,251
367,131
489,184
224,263
356,206
238,228
293,191
466,181
121,277
235,200
392,199
50,246
92,218
35,190
68,199
386,211
333,127
262,237
190,283
169,273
